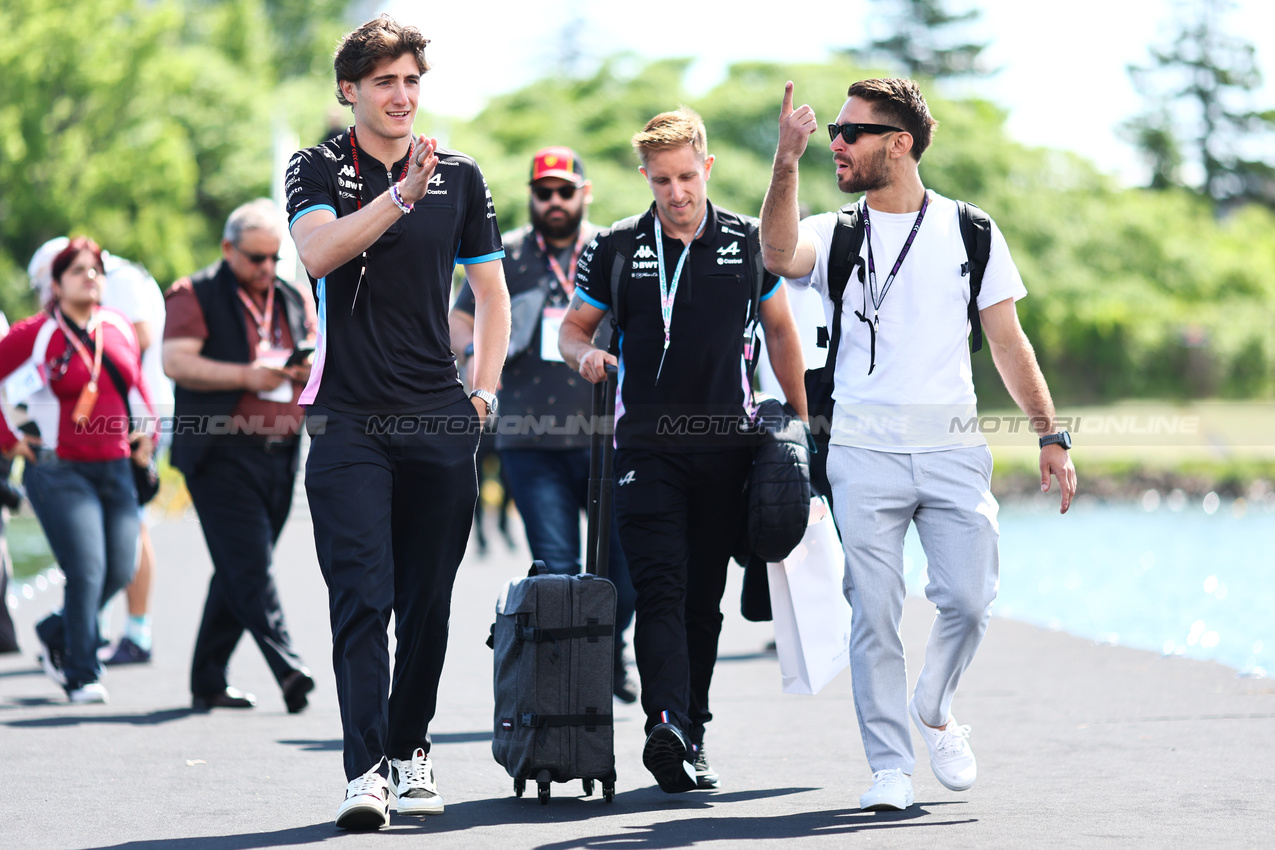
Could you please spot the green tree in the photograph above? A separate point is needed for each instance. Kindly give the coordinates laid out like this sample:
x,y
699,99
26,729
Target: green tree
x,y
1198,90
924,39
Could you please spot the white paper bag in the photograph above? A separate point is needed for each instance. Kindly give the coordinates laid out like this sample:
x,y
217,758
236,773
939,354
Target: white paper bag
x,y
811,614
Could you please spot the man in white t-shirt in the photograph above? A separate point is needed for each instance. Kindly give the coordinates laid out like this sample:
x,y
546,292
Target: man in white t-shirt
x,y
902,449
131,290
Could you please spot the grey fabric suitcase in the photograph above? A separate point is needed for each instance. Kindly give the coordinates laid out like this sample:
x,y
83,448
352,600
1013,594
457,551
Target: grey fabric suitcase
x,y
554,650
553,640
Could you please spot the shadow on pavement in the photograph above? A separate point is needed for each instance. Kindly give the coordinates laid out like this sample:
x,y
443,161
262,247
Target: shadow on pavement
x,y
283,838
334,745
150,719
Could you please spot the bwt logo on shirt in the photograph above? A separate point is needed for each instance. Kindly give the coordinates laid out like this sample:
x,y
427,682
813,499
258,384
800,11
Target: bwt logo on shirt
x,y
729,255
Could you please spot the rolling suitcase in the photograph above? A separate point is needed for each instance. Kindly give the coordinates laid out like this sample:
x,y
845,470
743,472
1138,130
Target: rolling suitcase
x,y
554,650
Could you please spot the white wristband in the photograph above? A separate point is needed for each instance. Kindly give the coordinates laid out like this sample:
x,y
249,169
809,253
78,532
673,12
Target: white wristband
x,y
397,198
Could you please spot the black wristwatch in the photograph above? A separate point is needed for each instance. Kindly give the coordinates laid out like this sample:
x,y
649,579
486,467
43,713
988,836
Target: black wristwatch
x,y
1062,438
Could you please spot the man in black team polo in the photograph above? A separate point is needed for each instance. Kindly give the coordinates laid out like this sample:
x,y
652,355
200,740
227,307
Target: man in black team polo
x,y
681,461
544,453
380,219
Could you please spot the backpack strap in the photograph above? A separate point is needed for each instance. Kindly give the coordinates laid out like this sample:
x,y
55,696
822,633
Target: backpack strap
x,y
752,321
976,233
623,238
843,256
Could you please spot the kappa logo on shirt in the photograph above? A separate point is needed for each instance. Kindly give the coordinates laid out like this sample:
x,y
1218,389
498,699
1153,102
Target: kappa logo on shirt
x,y
348,171
729,255
436,180
629,478
643,253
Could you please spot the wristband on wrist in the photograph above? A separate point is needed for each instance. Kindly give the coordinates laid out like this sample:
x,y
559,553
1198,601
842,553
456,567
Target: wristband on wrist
x,y
397,198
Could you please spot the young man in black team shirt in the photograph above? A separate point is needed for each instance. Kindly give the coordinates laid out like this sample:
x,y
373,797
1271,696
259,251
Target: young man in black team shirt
x,y
686,291
380,218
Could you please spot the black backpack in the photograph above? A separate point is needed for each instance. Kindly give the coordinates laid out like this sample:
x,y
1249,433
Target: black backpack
x,y
843,257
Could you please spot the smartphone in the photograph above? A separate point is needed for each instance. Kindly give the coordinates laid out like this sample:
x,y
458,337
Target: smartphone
x,y
299,355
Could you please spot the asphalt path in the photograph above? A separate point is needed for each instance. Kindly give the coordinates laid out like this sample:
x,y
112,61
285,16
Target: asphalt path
x,y
1078,745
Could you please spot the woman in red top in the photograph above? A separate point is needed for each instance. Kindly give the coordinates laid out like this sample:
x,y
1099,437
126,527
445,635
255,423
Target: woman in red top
x,y
75,357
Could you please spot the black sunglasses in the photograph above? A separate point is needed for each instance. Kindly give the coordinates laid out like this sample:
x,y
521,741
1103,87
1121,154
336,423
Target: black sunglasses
x,y
546,193
258,259
850,132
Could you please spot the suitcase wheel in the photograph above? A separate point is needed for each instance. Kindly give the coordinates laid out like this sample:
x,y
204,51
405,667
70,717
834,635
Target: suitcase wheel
x,y
542,787
588,787
520,785
608,791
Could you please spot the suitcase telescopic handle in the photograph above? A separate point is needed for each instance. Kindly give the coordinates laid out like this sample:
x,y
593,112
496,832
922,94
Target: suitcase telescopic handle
x,y
601,478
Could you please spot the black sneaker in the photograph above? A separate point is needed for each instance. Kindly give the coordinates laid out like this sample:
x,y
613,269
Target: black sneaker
x,y
127,652
667,755
705,776
51,661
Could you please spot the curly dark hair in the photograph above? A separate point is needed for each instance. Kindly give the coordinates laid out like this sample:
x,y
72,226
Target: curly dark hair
x,y
379,39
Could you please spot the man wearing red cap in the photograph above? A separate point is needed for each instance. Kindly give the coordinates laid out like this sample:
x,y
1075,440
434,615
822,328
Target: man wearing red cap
x,y
544,452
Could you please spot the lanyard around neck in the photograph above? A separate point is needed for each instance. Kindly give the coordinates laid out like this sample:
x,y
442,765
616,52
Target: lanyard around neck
x,y
265,323
358,175
668,292
566,280
94,330
879,299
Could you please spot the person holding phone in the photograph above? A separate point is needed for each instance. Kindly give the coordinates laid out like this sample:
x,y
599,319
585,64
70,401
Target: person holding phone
x,y
76,364
231,343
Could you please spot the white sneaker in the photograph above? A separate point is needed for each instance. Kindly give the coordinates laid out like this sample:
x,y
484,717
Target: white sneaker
x,y
412,782
951,758
367,802
891,790
89,692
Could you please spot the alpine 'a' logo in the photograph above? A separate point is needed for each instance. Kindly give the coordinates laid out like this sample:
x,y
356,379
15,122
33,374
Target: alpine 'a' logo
x,y
643,253
629,478
436,180
730,250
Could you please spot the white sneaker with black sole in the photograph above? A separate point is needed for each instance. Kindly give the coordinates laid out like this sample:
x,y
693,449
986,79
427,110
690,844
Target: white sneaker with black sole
x,y
891,791
412,782
367,802
951,758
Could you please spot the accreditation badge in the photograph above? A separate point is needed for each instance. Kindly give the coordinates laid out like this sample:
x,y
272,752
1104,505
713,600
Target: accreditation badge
x,y
550,325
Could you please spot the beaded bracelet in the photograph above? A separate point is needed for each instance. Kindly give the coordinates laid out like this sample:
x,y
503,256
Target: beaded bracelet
x,y
398,199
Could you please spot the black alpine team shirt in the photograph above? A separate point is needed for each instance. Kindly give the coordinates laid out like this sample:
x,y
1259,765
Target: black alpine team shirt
x,y
383,342
698,404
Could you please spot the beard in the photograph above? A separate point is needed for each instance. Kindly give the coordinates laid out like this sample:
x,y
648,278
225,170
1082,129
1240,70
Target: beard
x,y
557,227
867,174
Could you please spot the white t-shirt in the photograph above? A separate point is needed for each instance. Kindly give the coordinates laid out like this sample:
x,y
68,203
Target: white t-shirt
x,y
135,293
920,396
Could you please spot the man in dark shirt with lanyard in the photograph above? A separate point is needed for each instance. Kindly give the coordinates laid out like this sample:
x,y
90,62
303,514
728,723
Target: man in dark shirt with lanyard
x,y
544,451
680,463
380,219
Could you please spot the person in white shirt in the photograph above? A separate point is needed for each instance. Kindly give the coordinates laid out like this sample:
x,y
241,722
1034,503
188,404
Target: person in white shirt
x,y
902,448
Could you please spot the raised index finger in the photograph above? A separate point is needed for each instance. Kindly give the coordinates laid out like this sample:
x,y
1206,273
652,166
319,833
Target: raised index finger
x,y
786,109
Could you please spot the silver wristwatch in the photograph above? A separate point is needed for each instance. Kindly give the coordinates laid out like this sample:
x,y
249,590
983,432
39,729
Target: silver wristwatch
x,y
490,398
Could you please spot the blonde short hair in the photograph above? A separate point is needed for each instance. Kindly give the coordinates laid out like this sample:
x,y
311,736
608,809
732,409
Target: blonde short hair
x,y
671,130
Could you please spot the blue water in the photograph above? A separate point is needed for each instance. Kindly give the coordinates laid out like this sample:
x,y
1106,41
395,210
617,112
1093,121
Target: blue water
x,y
1179,582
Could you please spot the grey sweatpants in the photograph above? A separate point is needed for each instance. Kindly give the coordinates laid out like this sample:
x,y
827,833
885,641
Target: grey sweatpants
x,y
948,495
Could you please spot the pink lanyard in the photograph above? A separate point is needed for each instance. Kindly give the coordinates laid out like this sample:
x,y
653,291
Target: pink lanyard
x,y
566,281
265,323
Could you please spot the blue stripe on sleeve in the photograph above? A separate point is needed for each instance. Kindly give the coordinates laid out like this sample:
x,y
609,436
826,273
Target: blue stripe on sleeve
x,y
590,300
485,258
773,291
309,210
